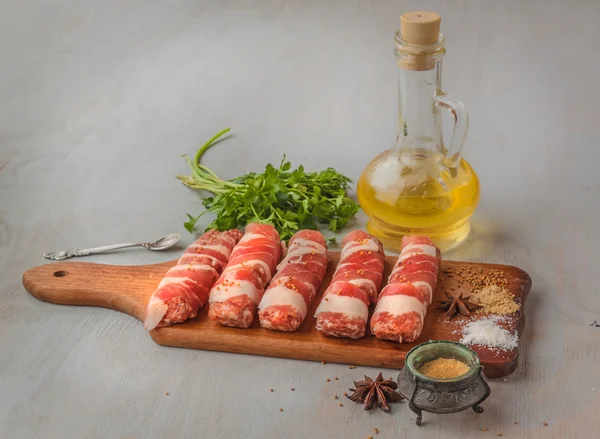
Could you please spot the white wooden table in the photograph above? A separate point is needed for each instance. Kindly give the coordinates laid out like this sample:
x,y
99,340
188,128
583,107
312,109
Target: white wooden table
x,y
98,100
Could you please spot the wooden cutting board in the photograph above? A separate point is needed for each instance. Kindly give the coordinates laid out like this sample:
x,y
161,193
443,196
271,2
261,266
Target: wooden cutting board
x,y
128,288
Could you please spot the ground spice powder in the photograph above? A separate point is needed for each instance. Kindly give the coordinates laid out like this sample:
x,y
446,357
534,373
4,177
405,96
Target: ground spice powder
x,y
444,368
495,300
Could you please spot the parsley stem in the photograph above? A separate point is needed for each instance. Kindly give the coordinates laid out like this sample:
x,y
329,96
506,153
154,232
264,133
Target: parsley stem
x,y
254,210
203,177
205,147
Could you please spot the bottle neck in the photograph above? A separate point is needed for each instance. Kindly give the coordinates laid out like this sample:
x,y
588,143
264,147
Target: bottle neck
x,y
418,116
419,82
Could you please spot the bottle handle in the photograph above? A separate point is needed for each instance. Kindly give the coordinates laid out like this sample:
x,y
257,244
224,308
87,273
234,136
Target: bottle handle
x,y
461,127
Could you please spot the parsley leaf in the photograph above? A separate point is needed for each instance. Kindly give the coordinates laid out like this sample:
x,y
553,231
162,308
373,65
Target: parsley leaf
x,y
289,199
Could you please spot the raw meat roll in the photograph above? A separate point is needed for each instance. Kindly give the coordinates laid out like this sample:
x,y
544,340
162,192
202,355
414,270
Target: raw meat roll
x,y
419,264
285,303
344,309
234,297
402,304
185,287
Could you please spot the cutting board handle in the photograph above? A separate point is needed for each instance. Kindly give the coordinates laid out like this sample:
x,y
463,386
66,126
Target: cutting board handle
x,y
122,288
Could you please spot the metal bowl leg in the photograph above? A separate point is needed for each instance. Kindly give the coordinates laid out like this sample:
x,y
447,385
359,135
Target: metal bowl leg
x,y
413,407
476,407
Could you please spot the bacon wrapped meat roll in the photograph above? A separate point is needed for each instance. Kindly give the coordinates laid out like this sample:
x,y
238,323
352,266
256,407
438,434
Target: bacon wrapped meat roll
x,y
186,286
285,303
235,296
344,308
402,304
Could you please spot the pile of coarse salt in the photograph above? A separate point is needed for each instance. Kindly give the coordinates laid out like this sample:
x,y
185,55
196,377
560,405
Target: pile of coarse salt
x,y
487,332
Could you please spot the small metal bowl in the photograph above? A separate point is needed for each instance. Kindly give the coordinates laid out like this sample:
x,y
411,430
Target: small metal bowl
x,y
442,395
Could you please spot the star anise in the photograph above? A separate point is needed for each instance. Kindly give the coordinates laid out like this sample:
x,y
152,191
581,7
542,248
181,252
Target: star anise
x,y
378,391
458,305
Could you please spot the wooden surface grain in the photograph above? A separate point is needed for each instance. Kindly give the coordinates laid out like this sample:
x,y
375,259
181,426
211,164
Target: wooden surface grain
x,y
98,100
128,289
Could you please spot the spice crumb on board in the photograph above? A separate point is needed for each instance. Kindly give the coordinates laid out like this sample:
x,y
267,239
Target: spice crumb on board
x,y
328,380
270,390
293,389
484,428
345,393
167,393
495,300
500,434
545,424
516,422
351,367
322,362
280,409
376,431
341,405
494,277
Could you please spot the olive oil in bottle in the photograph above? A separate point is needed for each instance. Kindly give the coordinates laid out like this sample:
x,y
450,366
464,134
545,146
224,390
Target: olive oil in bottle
x,y
422,186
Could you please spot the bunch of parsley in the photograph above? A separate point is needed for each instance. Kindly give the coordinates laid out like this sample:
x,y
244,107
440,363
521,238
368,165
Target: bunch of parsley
x,y
288,199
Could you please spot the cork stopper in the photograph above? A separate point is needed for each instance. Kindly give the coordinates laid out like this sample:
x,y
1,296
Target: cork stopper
x,y
420,27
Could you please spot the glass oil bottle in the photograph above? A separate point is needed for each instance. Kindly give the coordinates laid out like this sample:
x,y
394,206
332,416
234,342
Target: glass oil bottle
x,y
422,185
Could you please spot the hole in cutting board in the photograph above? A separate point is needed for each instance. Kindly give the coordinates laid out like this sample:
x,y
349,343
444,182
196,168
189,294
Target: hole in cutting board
x,y
61,273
